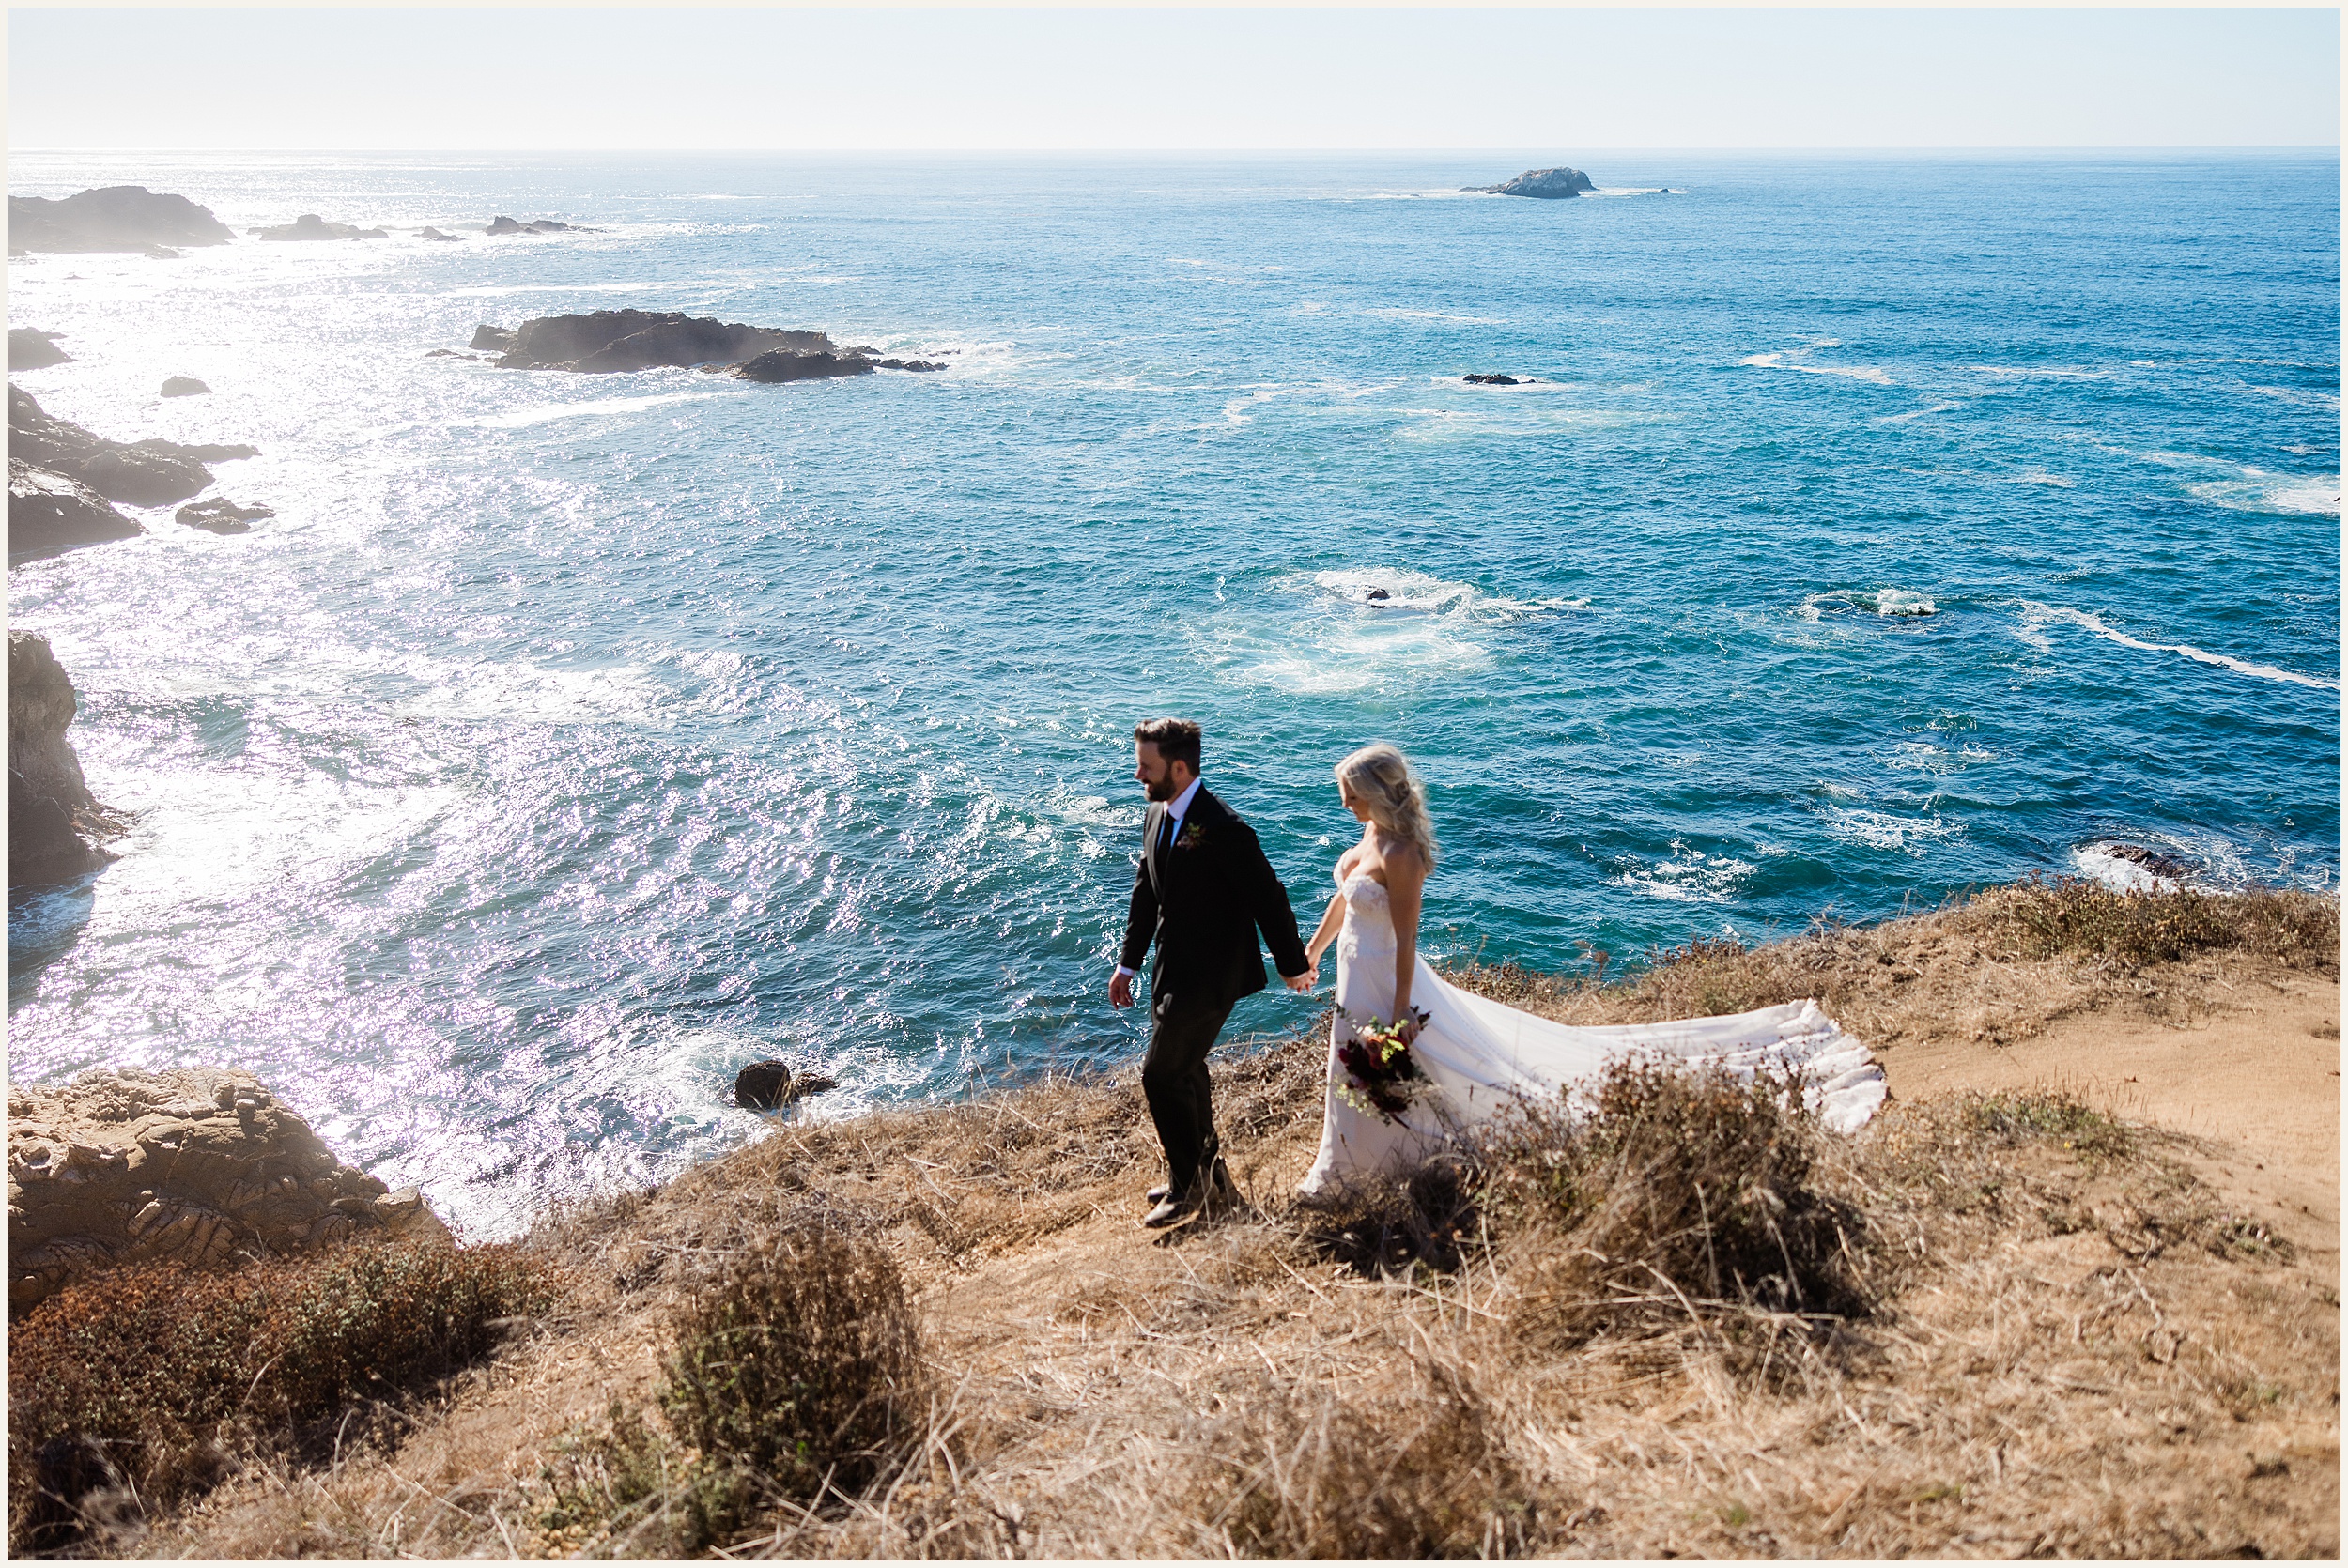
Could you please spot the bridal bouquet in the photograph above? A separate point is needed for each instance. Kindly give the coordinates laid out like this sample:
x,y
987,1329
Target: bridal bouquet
x,y
1385,1076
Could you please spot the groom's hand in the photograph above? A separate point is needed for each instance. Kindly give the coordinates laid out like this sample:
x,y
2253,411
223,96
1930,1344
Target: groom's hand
x,y
1299,983
1121,990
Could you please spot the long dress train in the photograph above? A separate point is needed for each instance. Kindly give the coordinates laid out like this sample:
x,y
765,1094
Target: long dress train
x,y
1482,1056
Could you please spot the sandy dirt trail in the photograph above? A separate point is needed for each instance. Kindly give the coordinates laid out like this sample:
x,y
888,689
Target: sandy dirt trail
x,y
2253,1084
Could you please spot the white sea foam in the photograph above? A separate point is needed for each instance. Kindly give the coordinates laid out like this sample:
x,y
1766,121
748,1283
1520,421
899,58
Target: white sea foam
x,y
1793,359
544,412
1889,602
1882,830
1918,413
2264,492
1687,877
2037,476
1408,592
2036,617
1397,313
2049,373
557,288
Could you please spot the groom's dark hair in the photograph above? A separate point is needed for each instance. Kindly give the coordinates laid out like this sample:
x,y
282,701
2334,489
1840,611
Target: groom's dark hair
x,y
1177,739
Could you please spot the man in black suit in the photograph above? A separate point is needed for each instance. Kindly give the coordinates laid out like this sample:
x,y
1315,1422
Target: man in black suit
x,y
1202,891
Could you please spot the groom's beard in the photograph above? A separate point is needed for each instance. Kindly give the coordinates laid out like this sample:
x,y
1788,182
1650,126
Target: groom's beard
x,y
1162,788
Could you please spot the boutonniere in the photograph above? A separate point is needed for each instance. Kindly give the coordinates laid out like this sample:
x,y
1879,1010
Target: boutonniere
x,y
1191,837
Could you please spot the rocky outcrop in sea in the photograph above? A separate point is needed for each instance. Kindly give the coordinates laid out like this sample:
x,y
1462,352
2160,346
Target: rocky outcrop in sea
x,y
194,1166
608,340
113,218
136,473
30,348
781,364
503,224
311,227
49,514
1546,184
55,824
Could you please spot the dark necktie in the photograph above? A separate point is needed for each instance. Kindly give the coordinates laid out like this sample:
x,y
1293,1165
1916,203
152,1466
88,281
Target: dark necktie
x,y
1166,834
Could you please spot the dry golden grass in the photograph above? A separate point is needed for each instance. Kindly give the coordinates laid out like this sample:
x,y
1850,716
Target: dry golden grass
x,y
2052,1340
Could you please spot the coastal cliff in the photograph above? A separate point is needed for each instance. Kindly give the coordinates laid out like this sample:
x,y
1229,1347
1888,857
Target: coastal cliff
x,y
191,1167
55,824
1933,1338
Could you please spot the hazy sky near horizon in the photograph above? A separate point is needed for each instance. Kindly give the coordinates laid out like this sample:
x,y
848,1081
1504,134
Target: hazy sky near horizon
x,y
597,79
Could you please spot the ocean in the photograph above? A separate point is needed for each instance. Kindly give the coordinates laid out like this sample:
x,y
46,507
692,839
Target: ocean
x,y
1862,529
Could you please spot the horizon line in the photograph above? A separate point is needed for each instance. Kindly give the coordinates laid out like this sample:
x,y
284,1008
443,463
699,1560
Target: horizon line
x,y
1207,151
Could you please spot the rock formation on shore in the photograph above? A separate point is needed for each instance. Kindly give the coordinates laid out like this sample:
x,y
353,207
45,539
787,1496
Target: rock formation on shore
x,y
116,218
30,348
311,227
49,514
138,473
1547,184
184,386
194,1165
54,824
608,340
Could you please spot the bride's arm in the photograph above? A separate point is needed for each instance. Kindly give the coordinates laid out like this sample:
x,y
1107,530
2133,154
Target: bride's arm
x,y
1406,880
1330,920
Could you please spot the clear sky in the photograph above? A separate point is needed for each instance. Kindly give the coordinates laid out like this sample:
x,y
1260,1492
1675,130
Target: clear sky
x,y
591,79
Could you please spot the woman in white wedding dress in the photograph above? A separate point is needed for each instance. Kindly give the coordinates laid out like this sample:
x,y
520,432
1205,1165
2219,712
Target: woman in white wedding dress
x,y
1479,1056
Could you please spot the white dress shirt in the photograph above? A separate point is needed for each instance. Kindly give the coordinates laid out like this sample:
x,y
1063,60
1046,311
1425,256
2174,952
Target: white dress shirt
x,y
1174,811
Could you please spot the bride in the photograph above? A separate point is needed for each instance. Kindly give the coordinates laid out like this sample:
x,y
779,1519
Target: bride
x,y
1476,1054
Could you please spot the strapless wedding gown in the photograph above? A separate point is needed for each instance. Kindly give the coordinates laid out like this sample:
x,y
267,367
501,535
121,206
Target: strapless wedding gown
x,y
1482,1056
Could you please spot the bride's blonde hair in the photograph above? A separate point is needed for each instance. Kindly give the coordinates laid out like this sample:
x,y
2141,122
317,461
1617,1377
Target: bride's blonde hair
x,y
1380,778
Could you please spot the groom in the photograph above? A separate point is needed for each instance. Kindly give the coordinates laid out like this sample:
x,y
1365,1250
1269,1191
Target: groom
x,y
1202,891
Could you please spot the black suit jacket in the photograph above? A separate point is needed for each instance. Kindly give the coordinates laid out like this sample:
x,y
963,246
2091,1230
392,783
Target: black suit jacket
x,y
1202,899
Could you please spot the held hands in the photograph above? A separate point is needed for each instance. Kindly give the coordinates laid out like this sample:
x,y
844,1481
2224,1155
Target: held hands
x,y
1303,983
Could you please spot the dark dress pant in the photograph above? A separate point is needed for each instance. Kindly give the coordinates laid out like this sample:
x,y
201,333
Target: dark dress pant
x,y
1174,1079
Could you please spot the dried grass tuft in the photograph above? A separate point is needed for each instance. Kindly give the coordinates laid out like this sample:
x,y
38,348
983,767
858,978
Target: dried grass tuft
x,y
1422,1472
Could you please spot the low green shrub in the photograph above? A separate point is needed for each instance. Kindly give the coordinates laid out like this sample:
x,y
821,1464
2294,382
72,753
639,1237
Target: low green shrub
x,y
149,1378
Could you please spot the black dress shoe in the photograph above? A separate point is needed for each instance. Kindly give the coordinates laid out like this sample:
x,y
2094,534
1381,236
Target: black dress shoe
x,y
1169,1213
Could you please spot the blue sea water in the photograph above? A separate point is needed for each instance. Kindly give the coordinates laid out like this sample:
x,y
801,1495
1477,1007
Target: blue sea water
x,y
1867,528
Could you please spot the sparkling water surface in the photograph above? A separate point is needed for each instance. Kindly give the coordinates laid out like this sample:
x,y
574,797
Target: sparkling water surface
x,y
1868,528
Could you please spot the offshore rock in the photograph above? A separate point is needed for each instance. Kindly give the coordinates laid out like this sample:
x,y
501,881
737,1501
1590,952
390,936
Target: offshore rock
x,y
311,227
54,824
32,349
499,339
769,1085
116,218
780,364
429,233
910,364
221,516
49,514
184,386
608,340
139,474
542,225
1547,184
194,1165
1495,380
